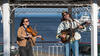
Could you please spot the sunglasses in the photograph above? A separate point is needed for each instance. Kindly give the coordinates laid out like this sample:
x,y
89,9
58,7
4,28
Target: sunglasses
x,y
64,15
26,21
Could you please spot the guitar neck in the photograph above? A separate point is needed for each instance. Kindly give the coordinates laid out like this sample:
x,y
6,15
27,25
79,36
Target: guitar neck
x,y
81,25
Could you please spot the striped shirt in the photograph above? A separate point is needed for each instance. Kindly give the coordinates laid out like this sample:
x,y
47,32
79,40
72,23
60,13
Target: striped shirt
x,y
73,24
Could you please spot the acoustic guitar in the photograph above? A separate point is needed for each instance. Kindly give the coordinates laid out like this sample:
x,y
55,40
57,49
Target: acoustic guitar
x,y
69,33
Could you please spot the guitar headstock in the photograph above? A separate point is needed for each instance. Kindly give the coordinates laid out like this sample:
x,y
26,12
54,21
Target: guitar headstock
x,y
85,23
88,22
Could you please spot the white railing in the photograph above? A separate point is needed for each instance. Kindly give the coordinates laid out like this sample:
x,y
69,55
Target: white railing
x,y
45,49
48,51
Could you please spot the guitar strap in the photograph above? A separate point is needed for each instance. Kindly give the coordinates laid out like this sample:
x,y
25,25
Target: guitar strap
x,y
64,25
71,28
70,24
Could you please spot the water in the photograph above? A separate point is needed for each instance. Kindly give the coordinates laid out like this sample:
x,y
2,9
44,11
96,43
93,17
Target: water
x,y
46,25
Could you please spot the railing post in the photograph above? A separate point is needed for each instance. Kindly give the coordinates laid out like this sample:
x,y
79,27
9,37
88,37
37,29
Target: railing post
x,y
49,51
57,50
94,41
6,27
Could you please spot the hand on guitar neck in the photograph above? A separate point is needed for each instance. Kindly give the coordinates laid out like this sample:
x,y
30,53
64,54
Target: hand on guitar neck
x,y
81,26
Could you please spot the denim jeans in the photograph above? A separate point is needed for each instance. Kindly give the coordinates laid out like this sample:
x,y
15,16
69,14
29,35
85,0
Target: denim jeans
x,y
72,45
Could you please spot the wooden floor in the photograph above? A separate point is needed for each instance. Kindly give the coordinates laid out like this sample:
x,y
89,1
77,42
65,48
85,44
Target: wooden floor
x,y
46,54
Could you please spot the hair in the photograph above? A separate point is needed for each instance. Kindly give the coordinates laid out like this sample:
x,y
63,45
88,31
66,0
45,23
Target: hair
x,y
63,19
22,21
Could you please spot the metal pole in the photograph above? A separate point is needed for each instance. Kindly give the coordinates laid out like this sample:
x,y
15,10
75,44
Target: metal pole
x,y
94,50
6,28
0,8
12,27
70,10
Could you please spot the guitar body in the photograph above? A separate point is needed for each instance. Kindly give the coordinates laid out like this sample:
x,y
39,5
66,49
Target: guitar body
x,y
69,33
64,40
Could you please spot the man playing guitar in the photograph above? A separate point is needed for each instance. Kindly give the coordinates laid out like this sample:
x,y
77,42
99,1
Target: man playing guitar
x,y
68,33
